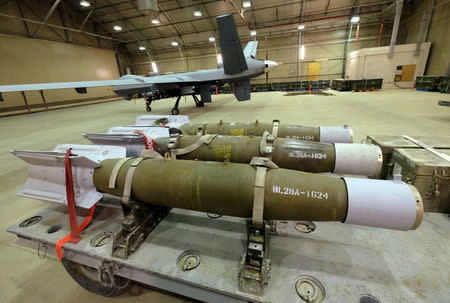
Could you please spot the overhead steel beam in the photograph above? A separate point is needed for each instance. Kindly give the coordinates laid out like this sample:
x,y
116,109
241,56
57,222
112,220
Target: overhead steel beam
x,y
59,27
207,15
50,12
281,34
214,16
258,9
3,3
132,25
86,19
166,10
64,20
241,13
268,7
327,6
398,14
37,16
22,13
424,28
320,43
263,27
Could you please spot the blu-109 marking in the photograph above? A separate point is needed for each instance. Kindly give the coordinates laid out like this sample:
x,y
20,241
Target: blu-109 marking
x,y
276,189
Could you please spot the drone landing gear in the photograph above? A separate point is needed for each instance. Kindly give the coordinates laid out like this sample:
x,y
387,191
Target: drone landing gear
x,y
198,103
175,110
148,102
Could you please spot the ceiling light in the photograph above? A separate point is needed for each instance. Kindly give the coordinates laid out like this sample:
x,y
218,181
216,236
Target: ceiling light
x,y
253,33
246,4
154,67
85,3
301,27
354,19
142,48
117,27
156,21
211,39
174,43
197,13
302,52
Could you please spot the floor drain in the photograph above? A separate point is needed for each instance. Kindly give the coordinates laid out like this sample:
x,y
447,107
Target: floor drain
x,y
188,260
54,229
30,221
305,226
101,239
213,216
309,289
368,299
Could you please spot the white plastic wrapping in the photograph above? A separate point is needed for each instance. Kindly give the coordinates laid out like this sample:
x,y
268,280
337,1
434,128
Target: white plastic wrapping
x,y
381,203
336,134
357,159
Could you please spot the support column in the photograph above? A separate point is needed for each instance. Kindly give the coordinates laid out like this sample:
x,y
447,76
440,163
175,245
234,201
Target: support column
x,y
398,14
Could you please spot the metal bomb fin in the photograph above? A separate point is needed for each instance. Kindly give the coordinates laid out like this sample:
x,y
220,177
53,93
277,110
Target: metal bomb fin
x,y
232,55
46,173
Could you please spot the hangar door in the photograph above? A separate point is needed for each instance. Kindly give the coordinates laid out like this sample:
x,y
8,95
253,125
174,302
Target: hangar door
x,y
313,70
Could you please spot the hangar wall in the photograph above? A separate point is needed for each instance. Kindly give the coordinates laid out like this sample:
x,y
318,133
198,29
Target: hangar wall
x,y
439,59
326,47
25,60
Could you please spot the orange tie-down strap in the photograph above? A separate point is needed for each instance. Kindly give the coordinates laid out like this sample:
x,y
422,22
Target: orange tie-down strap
x,y
83,225
75,230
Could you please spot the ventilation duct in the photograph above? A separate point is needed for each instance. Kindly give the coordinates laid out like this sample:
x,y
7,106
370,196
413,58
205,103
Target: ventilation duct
x,y
148,7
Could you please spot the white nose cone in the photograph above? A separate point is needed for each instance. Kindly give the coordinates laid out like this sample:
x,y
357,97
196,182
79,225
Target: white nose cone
x,y
270,64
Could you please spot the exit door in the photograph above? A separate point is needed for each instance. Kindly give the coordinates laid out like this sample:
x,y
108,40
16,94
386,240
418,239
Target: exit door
x,y
313,70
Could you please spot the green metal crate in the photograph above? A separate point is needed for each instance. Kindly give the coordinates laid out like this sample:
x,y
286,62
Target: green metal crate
x,y
305,83
296,85
427,83
444,84
428,172
262,87
341,85
366,84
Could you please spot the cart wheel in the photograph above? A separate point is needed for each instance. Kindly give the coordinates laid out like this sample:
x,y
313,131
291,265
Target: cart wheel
x,y
175,111
87,277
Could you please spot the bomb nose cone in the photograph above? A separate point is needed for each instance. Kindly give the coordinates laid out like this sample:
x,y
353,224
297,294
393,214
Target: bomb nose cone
x,y
358,159
336,134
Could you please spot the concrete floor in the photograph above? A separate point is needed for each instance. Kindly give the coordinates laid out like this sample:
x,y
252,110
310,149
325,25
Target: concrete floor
x,y
26,277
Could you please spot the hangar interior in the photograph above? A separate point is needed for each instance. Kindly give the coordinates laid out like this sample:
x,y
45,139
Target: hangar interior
x,y
379,67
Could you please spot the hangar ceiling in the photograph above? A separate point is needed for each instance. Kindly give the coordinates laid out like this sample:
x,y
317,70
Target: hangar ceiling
x,y
68,21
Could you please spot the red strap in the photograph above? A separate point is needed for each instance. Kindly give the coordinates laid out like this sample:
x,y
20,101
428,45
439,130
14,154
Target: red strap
x,y
71,198
75,230
67,238
148,145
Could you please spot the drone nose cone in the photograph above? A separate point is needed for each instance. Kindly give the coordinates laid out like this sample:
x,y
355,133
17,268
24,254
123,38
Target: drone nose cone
x,y
270,64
